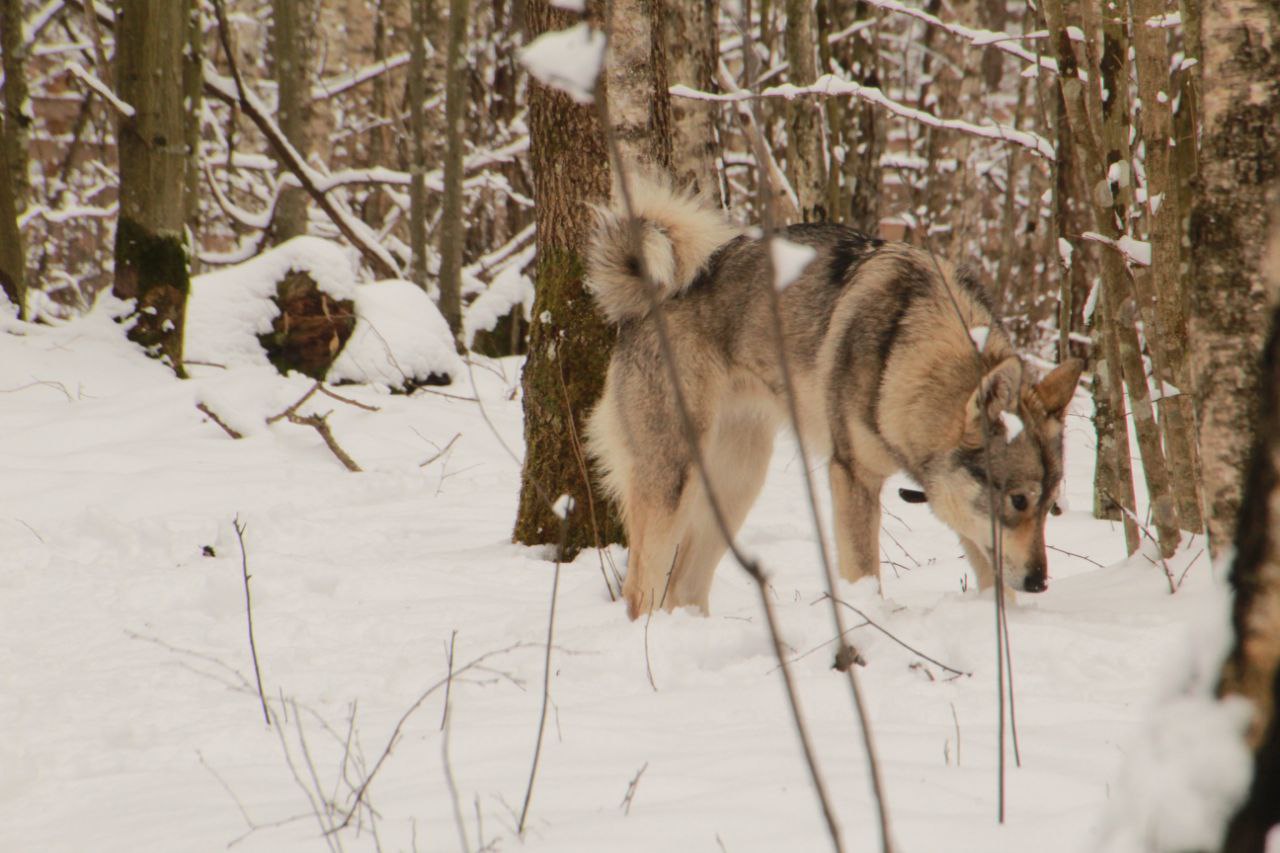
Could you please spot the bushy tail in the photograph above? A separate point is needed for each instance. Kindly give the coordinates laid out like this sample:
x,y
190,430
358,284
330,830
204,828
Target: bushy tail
x,y
678,233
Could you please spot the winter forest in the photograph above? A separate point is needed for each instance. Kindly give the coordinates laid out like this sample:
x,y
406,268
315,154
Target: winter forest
x,y
630,425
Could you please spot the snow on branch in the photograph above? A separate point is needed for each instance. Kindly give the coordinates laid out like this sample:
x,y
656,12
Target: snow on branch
x,y
979,38
344,82
829,84
1136,252
93,82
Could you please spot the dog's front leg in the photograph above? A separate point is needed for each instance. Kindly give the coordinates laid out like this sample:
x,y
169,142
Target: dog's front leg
x,y
855,497
978,558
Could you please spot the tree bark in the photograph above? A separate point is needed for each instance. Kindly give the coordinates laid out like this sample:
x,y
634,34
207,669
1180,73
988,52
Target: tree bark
x,y
806,163
291,23
569,344
151,254
193,92
692,24
1253,668
452,231
1169,344
636,84
418,10
1237,191
17,107
1085,105
13,275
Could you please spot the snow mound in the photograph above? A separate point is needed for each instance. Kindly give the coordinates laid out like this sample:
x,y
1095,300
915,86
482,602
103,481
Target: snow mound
x,y
400,338
509,289
229,308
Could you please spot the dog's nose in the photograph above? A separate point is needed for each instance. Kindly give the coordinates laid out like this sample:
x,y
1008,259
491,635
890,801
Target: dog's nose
x,y
1035,583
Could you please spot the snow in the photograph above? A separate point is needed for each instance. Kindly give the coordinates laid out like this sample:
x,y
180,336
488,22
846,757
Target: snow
x,y
509,288
131,714
400,337
1012,424
978,334
568,60
789,260
1065,251
229,308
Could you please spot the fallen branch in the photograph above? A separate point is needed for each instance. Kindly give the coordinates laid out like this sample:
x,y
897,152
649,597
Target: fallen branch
x,y
217,420
321,425
895,638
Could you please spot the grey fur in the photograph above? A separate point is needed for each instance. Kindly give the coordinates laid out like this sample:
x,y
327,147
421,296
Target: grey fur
x,y
887,377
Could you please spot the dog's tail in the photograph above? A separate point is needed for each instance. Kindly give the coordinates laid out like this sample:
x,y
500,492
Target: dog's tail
x,y
676,235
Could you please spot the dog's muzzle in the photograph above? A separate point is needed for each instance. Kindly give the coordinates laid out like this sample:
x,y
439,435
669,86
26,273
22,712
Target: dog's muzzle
x,y
1035,583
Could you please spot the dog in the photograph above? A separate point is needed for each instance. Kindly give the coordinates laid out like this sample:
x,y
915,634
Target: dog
x,y
897,364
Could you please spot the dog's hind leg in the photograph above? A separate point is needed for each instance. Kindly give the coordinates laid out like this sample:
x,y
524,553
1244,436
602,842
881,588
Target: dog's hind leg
x,y
655,526
737,458
855,499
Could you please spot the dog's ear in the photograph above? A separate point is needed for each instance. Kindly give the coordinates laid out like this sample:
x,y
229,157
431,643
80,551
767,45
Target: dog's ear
x,y
1056,390
998,392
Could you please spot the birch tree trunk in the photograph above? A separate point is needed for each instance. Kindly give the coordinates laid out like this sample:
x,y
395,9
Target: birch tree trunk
x,y
17,107
569,344
150,252
692,24
290,45
636,83
806,165
13,275
1238,190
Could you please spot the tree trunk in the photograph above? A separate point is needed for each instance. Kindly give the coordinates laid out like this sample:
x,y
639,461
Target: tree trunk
x,y
418,10
1237,190
806,166
1253,668
17,108
1084,102
151,255
13,275
569,344
1169,344
193,92
636,82
291,22
854,143
693,25
452,232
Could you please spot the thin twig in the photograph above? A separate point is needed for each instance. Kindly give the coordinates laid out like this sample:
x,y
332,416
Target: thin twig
x,y
444,754
630,796
336,396
248,610
217,420
294,408
895,638
748,565
441,452
1077,556
546,674
321,425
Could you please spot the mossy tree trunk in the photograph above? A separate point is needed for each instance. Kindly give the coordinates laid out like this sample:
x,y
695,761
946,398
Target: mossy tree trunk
x,y
569,344
1236,198
13,274
16,97
452,229
291,24
150,251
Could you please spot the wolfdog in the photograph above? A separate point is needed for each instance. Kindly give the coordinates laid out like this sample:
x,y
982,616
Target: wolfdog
x,y
897,362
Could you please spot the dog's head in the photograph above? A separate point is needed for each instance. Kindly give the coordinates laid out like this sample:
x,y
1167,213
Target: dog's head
x,y
1008,458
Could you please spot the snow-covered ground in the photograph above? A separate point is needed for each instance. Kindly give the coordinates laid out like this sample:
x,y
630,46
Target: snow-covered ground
x,y
129,716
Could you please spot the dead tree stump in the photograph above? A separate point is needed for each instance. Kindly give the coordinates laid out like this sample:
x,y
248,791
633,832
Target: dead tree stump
x,y
311,328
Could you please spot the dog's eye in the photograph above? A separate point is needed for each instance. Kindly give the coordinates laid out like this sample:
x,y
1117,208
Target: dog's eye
x,y
1019,501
